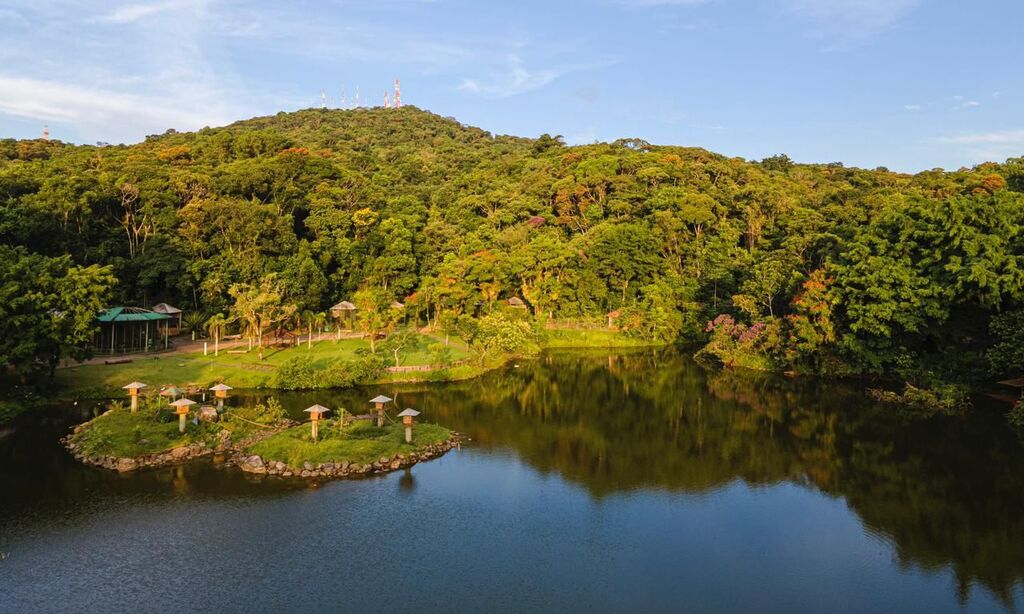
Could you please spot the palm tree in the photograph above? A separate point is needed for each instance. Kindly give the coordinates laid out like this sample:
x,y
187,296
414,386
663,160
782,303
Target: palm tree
x,y
193,322
310,317
215,328
320,318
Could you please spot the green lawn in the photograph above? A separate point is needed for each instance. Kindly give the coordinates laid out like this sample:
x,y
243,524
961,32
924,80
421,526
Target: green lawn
x,y
241,370
357,443
121,433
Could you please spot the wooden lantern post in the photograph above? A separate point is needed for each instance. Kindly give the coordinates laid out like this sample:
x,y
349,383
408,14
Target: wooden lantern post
x,y
407,416
133,394
172,391
315,414
220,391
181,408
378,402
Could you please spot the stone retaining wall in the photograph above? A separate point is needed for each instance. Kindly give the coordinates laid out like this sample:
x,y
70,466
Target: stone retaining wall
x,y
257,465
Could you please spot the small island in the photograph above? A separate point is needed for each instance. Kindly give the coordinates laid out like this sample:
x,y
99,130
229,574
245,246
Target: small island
x,y
260,439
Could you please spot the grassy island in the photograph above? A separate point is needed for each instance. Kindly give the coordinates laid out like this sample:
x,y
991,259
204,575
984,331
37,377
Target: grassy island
x,y
359,443
150,437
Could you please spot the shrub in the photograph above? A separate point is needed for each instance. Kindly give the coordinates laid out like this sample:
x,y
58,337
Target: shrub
x,y
296,373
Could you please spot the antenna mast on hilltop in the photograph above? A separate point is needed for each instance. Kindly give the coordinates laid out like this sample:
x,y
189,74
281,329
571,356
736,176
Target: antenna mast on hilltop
x,y
357,96
387,101
323,99
46,133
343,103
398,95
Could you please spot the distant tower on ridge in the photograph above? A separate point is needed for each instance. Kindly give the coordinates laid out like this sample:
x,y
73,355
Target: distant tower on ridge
x,y
398,95
323,99
46,133
343,102
357,96
387,101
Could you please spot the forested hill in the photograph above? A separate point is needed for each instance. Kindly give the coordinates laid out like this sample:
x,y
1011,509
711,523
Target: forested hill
x,y
817,268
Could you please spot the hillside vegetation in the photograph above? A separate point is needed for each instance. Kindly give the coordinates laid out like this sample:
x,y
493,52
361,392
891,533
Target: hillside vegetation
x,y
774,265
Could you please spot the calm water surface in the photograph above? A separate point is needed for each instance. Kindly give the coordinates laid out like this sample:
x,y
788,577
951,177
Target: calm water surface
x,y
592,482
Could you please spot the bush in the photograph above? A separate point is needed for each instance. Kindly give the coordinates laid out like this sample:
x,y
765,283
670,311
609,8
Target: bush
x,y
734,344
496,334
942,398
296,373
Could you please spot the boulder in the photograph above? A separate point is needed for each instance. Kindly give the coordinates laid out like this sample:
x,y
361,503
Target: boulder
x,y
308,466
395,464
179,453
127,464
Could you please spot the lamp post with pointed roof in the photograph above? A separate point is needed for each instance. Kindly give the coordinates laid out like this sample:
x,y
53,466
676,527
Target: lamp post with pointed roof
x,y
407,416
220,391
171,391
378,402
315,414
133,393
181,408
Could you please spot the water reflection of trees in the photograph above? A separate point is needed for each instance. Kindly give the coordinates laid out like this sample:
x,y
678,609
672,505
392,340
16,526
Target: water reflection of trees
x,y
946,491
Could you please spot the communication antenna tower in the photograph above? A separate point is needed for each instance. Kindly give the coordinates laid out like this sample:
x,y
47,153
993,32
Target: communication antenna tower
x,y
387,101
343,103
398,95
46,133
323,99
357,96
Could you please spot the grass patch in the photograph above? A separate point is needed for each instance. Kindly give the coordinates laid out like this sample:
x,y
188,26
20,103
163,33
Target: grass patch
x,y
358,443
154,428
123,434
243,370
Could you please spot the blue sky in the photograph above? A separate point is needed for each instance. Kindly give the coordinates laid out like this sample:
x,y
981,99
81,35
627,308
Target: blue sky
x,y
908,84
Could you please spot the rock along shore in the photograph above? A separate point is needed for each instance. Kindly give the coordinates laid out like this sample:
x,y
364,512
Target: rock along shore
x,y
257,465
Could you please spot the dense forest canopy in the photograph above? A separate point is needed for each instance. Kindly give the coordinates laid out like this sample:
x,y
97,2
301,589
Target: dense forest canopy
x,y
816,268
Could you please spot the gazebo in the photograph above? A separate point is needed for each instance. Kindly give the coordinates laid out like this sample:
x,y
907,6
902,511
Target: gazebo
x,y
131,329
516,303
343,309
172,311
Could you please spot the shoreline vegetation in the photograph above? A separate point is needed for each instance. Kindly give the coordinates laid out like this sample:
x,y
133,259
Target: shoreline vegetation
x,y
326,363
395,221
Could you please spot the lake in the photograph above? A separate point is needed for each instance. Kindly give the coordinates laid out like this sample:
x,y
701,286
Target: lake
x,y
589,482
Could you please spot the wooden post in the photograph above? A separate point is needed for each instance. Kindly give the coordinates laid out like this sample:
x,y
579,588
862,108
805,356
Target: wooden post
x,y
181,422
205,353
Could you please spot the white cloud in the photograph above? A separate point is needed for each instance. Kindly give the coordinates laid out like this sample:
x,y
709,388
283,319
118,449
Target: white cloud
x,y
105,114
970,103
980,147
515,79
912,107
134,12
646,3
846,21
999,137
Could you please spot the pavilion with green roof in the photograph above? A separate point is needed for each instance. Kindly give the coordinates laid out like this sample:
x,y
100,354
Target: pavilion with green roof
x,y
124,330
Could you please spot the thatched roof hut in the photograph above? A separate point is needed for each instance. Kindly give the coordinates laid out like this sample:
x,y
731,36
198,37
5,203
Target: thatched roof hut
x,y
341,308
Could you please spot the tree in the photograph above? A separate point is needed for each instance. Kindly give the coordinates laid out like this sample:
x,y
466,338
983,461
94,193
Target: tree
x,y
373,314
259,306
215,327
48,307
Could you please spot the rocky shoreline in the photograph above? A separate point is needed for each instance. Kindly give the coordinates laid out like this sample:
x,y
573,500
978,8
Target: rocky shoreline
x,y
257,465
254,464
